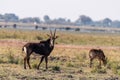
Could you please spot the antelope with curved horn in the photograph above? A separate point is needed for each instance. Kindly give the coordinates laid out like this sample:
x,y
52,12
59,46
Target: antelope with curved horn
x,y
43,48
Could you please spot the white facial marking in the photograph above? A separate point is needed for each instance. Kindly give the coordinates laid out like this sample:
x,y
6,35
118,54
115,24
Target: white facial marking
x,y
51,42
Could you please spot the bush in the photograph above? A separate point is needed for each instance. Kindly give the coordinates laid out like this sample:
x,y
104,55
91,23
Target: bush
x,y
67,28
77,29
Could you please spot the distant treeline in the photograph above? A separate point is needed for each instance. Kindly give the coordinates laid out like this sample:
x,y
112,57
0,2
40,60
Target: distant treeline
x,y
82,20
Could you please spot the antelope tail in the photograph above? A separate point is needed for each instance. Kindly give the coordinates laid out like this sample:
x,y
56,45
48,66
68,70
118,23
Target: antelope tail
x,y
24,49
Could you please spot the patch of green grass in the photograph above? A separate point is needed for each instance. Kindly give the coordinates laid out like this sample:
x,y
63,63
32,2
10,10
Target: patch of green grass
x,y
34,65
114,66
100,71
75,38
70,64
11,58
56,68
81,57
64,63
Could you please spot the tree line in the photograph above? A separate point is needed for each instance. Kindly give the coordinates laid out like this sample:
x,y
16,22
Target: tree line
x,y
82,20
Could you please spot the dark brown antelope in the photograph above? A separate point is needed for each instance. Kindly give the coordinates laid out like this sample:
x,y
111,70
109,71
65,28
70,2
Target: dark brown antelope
x,y
43,48
97,54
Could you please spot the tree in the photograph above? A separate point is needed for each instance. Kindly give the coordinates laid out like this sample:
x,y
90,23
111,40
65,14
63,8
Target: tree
x,y
36,19
106,22
83,20
11,17
47,19
59,21
30,20
1,17
116,23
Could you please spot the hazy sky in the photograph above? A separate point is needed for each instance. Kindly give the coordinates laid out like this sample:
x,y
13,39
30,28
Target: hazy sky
x,y
69,9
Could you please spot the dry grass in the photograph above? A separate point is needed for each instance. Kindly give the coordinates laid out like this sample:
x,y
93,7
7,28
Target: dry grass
x,y
64,63
74,38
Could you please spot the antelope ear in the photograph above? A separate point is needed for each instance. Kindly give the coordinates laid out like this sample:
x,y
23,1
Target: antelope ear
x,y
56,37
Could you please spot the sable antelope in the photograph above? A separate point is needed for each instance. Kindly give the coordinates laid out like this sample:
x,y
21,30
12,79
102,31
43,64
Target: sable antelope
x,y
97,54
43,48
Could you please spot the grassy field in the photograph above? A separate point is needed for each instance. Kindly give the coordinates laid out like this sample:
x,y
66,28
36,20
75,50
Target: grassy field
x,y
64,63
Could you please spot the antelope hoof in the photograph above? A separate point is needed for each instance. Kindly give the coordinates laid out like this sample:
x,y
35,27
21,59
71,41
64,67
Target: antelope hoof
x,y
24,67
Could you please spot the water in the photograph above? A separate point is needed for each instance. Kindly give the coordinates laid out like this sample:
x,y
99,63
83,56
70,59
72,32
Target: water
x,y
68,29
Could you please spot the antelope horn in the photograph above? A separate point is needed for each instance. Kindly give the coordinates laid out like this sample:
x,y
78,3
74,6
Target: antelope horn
x,y
54,32
50,32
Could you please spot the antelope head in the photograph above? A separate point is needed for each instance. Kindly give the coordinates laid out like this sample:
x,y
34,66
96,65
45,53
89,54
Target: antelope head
x,y
52,37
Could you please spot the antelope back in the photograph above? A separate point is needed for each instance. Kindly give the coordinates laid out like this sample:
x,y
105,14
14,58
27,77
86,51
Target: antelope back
x,y
96,53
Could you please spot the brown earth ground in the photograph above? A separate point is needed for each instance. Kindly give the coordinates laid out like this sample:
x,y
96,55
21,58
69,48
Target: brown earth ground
x,y
82,76
18,43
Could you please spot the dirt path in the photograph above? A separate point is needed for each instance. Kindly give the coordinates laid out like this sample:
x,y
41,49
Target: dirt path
x,y
18,43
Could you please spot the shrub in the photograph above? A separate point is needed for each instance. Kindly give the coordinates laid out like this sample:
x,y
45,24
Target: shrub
x,y
77,29
67,28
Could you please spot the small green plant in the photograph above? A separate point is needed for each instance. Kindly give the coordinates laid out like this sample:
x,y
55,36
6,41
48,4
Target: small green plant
x,y
34,65
56,68
118,72
81,57
115,68
12,60
69,64
1,60
97,70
